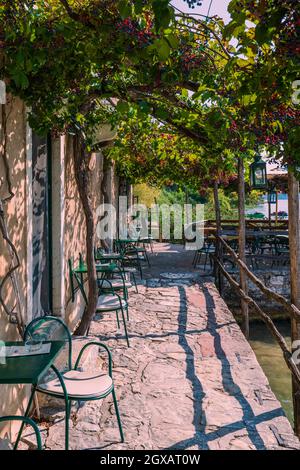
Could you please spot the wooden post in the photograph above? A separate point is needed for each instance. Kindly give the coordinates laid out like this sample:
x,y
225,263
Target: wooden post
x,y
269,211
294,241
217,208
219,247
276,210
242,245
159,219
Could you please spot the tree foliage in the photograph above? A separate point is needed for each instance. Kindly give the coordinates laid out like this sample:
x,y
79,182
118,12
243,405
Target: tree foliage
x,y
187,95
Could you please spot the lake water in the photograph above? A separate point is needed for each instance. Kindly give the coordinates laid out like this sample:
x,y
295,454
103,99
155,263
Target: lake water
x,y
282,205
270,357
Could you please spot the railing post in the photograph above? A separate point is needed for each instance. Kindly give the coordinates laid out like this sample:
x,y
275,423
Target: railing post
x,y
294,241
242,245
219,248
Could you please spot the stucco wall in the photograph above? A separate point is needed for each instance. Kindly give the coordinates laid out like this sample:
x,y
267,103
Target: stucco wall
x,y
74,239
13,399
68,229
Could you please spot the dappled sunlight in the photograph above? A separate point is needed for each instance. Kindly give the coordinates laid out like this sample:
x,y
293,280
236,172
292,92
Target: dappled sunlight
x,y
181,332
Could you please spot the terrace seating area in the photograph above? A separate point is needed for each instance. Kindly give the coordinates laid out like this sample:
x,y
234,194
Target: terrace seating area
x,y
180,331
267,245
46,337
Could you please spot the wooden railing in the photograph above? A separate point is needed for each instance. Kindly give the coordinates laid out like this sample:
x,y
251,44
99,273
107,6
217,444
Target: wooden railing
x,y
250,223
291,309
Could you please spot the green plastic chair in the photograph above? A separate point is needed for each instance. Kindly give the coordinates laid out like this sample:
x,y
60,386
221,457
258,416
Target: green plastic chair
x,y
25,420
72,385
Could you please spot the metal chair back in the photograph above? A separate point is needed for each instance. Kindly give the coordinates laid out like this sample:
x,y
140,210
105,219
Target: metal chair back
x,y
29,422
50,328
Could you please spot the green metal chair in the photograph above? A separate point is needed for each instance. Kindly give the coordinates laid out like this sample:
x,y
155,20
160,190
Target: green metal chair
x,y
139,248
117,278
129,268
126,269
25,420
109,284
108,300
148,241
136,246
72,384
282,245
207,251
131,258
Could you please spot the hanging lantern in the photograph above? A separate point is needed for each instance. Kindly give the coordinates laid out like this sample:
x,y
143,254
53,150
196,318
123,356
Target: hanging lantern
x,y
258,174
272,197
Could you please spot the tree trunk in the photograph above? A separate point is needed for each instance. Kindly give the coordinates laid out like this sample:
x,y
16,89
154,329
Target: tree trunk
x,y
83,179
294,241
123,186
242,245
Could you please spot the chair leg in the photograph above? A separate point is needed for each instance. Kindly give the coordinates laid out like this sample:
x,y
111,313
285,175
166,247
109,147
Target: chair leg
x,y
124,295
140,269
125,327
118,415
67,430
135,284
118,321
205,263
206,259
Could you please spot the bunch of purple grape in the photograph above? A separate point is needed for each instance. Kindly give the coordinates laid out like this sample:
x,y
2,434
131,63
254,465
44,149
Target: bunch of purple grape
x,y
141,36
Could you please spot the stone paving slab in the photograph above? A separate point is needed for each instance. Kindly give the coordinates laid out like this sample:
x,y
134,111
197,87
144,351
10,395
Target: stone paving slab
x,y
190,380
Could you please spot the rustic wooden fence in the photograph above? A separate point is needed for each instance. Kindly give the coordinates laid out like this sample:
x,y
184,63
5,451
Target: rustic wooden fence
x,y
291,309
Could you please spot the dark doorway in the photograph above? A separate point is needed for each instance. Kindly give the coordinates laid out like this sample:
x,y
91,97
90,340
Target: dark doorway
x,y
41,226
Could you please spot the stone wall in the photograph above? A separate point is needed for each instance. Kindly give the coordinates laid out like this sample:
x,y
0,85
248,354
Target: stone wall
x,y
277,280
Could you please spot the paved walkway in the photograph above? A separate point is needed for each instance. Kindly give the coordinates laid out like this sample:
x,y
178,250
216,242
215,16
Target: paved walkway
x,y
189,380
